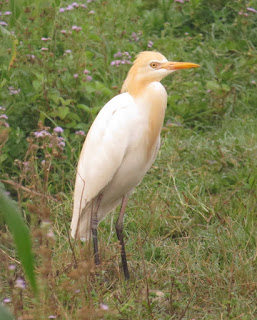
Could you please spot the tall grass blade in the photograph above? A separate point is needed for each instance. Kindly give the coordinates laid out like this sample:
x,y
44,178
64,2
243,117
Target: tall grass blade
x,y
21,236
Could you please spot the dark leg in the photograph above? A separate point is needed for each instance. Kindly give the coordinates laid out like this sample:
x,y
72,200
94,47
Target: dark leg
x,y
94,224
119,231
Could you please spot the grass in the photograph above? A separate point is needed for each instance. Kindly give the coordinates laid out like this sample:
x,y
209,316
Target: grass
x,y
190,227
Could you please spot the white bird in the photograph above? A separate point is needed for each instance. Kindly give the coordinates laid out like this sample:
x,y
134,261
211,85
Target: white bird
x,y
120,147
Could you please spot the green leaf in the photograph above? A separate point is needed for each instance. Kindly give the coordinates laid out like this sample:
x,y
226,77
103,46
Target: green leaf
x,y
20,234
5,313
61,112
84,107
212,85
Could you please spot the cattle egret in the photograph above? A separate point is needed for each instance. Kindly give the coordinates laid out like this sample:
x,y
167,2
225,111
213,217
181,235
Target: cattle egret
x,y
120,148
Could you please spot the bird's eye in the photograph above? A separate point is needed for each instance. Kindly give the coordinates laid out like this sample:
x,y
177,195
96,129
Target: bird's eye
x,y
154,65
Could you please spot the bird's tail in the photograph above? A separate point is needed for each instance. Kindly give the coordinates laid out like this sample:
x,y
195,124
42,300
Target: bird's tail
x,y
81,223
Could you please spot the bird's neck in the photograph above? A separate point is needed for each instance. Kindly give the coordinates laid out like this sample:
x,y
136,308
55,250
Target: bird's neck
x,y
134,86
152,104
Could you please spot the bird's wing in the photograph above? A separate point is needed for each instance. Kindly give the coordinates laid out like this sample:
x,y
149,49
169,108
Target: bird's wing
x,y
103,150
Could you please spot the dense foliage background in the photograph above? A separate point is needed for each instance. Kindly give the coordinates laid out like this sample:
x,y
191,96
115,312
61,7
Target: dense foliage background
x,y
191,225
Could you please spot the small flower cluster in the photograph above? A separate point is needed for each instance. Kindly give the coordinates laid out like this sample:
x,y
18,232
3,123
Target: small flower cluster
x,y
6,13
20,283
73,28
180,1
46,39
3,117
73,6
136,36
251,9
124,58
55,141
13,91
150,44
88,78
241,13
80,133
76,28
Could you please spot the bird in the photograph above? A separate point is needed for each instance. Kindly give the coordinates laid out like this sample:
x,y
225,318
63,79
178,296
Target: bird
x,y
120,148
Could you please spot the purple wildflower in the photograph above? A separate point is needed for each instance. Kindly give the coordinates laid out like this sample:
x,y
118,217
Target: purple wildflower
x,y
61,145
180,1
69,8
80,133
30,56
13,91
68,51
52,317
83,6
63,31
2,23
44,49
251,10
118,54
115,62
45,39
91,12
119,62
86,71
104,306
4,116
7,300
12,267
75,76
20,283
50,233
150,44
2,108
61,10
7,13
134,36
74,4
58,129
76,28
89,78
42,133
26,165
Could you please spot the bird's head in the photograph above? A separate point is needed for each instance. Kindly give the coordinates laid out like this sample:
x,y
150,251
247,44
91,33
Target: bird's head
x,y
152,66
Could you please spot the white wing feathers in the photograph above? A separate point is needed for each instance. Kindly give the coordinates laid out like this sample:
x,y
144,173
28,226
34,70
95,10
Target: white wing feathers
x,y
102,153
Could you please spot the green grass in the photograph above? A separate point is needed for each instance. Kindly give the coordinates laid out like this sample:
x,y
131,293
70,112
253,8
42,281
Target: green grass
x,y
191,225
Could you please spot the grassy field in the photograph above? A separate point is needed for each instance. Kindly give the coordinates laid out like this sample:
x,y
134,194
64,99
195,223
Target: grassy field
x,y
191,225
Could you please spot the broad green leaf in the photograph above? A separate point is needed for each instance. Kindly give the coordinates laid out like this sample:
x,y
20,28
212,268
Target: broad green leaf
x,y
62,112
5,313
20,234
